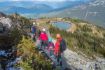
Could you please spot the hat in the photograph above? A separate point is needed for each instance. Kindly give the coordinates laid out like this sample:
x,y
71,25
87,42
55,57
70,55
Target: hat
x,y
33,23
44,29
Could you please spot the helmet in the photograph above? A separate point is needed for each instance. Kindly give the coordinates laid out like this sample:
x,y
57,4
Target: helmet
x,y
58,36
43,29
33,23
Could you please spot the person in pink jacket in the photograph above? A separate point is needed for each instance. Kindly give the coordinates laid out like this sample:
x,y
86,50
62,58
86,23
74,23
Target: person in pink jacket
x,y
44,39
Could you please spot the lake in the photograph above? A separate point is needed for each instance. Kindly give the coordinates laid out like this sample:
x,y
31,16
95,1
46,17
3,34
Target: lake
x,y
61,25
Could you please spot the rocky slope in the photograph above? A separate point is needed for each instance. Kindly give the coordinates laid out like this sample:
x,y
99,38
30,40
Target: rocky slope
x,y
16,48
80,54
73,60
76,61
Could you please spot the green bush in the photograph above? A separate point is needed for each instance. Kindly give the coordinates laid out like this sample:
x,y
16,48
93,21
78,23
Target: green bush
x,y
32,59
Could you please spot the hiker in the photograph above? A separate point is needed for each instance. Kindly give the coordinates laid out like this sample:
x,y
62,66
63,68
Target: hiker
x,y
44,39
59,48
33,31
50,46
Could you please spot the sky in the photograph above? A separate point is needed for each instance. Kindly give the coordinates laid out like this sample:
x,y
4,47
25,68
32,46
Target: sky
x,y
44,0
52,3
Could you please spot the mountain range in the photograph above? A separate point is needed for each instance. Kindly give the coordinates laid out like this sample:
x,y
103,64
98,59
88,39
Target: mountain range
x,y
93,12
37,7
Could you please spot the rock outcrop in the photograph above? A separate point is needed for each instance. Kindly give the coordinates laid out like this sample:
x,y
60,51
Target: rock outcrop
x,y
75,61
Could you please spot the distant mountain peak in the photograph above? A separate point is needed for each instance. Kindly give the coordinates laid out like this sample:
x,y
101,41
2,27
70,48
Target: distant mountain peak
x,y
98,2
2,14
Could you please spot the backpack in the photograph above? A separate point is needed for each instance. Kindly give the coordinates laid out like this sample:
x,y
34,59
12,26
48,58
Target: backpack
x,y
51,44
62,45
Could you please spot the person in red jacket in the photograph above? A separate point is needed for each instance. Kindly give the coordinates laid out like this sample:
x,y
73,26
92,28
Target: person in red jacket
x,y
57,45
57,52
44,39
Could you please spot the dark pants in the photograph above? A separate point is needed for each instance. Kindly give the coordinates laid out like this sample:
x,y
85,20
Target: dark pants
x,y
59,59
34,36
44,44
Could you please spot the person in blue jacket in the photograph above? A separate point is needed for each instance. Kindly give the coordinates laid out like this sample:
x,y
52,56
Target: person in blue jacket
x,y
33,31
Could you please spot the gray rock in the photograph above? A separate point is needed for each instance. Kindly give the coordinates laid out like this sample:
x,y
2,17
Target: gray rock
x,y
6,22
78,62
